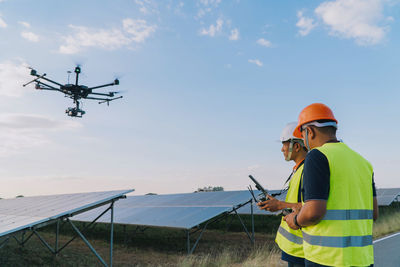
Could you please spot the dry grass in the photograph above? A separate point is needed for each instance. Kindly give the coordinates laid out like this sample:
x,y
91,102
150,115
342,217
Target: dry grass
x,y
260,256
388,222
216,248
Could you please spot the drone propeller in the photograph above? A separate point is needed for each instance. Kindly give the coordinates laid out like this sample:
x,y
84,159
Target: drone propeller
x,y
113,93
116,92
34,73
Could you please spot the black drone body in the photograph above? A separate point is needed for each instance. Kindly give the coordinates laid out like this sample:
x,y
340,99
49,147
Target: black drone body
x,y
74,91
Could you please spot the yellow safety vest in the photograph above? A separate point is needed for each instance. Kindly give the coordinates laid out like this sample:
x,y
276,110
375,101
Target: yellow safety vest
x,y
344,236
289,240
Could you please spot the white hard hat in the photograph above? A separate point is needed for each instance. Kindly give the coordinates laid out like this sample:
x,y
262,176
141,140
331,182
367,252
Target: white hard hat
x,y
287,133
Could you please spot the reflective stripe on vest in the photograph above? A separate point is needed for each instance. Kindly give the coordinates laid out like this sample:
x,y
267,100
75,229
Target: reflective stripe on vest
x,y
338,241
289,236
344,235
348,215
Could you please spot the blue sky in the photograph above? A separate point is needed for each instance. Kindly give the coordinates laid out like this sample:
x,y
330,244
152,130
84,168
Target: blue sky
x,y
208,86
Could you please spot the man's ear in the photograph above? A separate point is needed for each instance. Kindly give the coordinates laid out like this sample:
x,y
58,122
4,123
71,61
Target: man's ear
x,y
311,132
297,147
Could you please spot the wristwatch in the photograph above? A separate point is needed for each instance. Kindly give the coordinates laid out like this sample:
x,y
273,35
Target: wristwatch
x,y
295,221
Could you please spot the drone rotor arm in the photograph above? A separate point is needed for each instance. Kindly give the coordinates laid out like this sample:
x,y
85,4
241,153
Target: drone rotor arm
x,y
103,94
59,84
34,73
35,80
104,100
101,86
47,87
98,98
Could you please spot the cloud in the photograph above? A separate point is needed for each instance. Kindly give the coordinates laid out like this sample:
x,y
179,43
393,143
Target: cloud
x,y
12,77
30,36
213,29
146,6
264,42
138,29
210,2
132,31
25,24
354,19
234,35
23,122
256,61
206,6
3,24
19,132
305,24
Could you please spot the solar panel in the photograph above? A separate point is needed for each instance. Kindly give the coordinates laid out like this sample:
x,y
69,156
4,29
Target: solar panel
x,y
183,211
25,212
386,196
387,191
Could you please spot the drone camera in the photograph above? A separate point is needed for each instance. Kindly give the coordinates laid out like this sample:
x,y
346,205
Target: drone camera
x,y
75,112
77,70
116,82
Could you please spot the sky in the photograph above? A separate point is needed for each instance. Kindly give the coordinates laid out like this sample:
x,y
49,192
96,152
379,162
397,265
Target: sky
x,y
207,86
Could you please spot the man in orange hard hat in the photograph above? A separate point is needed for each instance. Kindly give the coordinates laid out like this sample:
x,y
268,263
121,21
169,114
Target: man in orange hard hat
x,y
339,195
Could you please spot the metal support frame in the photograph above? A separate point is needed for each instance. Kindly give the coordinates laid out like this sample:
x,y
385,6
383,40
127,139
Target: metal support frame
x,y
87,243
4,242
252,222
23,239
79,233
228,223
218,218
190,250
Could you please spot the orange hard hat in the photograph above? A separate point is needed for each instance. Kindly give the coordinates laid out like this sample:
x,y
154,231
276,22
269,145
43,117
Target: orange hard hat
x,y
313,112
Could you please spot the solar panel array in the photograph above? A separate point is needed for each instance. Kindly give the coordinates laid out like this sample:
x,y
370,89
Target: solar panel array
x,y
25,212
183,211
387,196
176,210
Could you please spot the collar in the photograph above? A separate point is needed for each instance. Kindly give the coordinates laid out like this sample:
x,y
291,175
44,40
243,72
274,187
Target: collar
x,y
298,165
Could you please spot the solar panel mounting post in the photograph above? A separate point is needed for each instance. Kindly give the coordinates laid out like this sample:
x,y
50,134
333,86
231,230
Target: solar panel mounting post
x,y
190,251
57,232
245,228
252,221
112,233
87,243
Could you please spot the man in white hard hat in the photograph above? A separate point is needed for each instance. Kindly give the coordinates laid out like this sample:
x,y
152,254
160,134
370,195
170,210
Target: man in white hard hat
x,y
290,241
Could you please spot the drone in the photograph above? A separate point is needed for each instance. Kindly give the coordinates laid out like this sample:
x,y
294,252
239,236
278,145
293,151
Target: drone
x,y
74,91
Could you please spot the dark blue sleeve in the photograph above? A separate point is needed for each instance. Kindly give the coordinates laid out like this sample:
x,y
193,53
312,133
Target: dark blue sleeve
x,y
316,176
373,186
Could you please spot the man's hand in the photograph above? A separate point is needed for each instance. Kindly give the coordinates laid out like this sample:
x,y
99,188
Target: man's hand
x,y
272,204
290,220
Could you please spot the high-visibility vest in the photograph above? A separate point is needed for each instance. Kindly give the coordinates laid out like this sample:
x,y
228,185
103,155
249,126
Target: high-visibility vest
x,y
289,240
344,236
